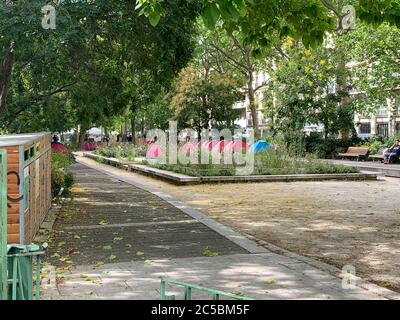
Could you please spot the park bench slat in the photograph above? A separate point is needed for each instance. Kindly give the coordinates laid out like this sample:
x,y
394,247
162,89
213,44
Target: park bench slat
x,y
355,152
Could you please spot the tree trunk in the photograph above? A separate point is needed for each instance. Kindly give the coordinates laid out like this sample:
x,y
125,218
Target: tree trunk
x,y
253,106
5,77
342,88
82,134
78,129
133,128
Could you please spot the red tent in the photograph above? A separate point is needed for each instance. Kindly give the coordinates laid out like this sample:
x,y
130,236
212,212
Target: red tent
x,y
220,145
59,147
235,146
154,151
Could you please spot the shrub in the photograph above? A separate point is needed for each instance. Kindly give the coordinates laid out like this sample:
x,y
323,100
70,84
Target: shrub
x,y
125,151
269,162
375,144
61,160
316,144
60,178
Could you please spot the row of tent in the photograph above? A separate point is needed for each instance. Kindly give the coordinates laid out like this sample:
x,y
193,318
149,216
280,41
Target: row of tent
x,y
220,146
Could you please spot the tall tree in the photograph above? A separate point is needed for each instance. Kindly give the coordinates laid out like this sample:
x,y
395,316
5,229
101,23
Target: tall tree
x,y
204,100
374,56
230,55
305,92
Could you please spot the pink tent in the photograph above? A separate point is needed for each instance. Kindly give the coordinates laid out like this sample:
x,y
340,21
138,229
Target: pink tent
x,y
89,146
189,147
220,145
211,144
239,146
235,146
154,151
203,144
59,147
228,147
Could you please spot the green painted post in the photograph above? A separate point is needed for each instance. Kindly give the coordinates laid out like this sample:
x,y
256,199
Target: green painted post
x,y
162,290
188,293
215,296
38,282
3,226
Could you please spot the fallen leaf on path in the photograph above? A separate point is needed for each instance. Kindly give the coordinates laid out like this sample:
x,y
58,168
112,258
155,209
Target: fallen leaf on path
x,y
209,253
112,257
98,264
61,244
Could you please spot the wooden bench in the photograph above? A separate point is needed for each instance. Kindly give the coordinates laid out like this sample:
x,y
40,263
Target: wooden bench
x,y
355,153
379,156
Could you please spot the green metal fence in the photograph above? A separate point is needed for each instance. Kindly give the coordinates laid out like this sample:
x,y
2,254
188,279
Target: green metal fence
x,y
20,271
188,288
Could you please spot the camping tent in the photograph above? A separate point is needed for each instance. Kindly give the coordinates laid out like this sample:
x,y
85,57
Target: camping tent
x,y
259,146
154,151
189,147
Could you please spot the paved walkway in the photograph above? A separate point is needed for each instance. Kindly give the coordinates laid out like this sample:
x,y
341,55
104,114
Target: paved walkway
x,y
111,221
114,240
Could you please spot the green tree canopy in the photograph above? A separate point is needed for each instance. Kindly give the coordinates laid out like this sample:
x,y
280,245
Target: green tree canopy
x,y
204,101
94,61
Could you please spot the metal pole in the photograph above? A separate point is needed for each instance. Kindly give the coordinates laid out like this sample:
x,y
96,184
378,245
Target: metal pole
x,y
3,226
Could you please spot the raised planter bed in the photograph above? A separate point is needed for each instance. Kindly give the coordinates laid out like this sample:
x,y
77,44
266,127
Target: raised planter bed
x,y
182,179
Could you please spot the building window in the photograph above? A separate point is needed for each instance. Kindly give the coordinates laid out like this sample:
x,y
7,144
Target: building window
x,y
383,129
383,111
365,128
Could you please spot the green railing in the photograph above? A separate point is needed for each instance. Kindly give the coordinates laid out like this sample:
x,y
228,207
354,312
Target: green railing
x,y
20,271
188,288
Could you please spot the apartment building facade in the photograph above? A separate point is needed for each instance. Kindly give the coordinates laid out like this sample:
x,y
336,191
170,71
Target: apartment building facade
x,y
385,122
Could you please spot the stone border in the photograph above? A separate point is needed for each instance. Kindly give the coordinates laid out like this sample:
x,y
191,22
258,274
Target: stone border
x,y
181,179
389,172
249,243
